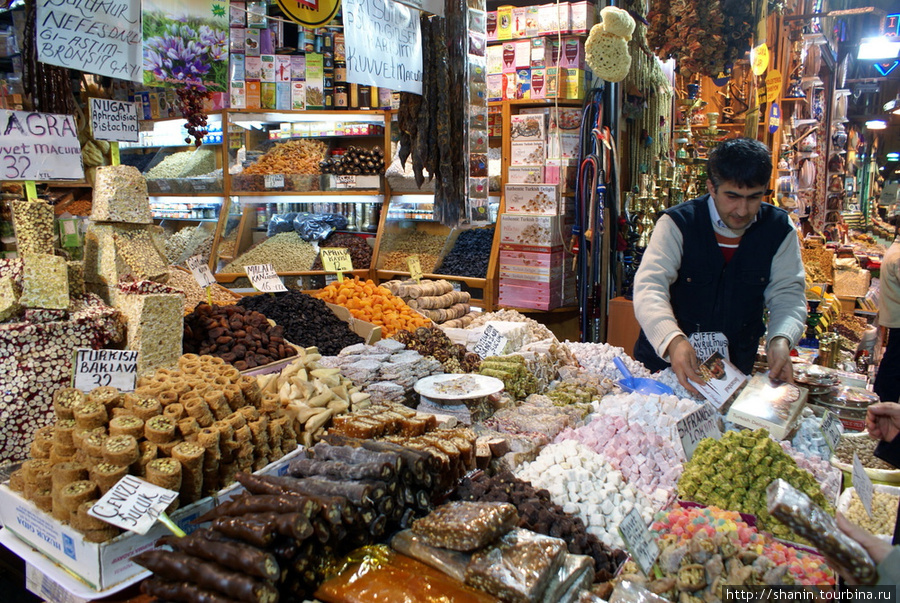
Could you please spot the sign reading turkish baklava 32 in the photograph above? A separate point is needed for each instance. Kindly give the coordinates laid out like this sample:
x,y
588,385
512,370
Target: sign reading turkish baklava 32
x,y
310,13
383,44
39,146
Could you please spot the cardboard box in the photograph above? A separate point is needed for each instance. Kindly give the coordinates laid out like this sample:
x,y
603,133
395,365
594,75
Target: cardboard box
x,y
540,199
582,17
538,81
283,71
238,95
237,71
538,49
552,84
267,95
762,404
494,59
253,68
523,231
526,127
523,84
253,95
504,23
562,146
574,84
524,261
523,54
267,72
572,56
491,25
298,68
509,274
509,85
532,21
100,565
370,333
508,54
237,40
495,90
525,174
298,96
528,153
553,18
518,21
315,81
283,96
563,172
251,42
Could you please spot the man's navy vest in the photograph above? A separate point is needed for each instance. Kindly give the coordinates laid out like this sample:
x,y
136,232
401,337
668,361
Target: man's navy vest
x,y
710,295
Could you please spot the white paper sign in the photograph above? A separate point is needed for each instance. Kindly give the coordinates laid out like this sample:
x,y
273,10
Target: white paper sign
x,y
97,37
200,269
863,484
133,504
700,424
105,368
273,180
39,146
435,7
383,45
264,278
114,120
832,429
709,342
639,540
492,343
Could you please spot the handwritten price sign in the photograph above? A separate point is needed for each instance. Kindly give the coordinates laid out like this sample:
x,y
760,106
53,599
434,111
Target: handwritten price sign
x,y
264,278
105,368
336,259
639,540
114,120
39,146
133,504
415,268
200,269
700,424
492,343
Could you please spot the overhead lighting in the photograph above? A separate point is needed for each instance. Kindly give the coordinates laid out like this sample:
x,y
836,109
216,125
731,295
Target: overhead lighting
x,y
893,106
893,156
878,48
876,124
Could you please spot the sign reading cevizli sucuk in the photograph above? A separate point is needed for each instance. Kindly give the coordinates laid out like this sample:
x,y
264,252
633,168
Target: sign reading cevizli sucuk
x,y
114,120
133,504
39,146
92,36
105,368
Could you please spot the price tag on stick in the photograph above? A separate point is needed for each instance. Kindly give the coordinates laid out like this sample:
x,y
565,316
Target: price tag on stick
x,y
700,424
639,540
135,505
101,368
832,429
264,278
492,343
200,269
336,259
415,268
863,484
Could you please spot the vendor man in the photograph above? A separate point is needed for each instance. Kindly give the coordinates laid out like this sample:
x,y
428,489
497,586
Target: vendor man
x,y
714,265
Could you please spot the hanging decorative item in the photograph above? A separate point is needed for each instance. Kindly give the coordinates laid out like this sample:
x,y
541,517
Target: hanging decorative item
x,y
606,49
697,34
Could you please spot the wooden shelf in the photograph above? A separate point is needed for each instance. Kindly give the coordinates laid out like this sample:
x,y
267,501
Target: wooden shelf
x,y
341,193
230,277
540,102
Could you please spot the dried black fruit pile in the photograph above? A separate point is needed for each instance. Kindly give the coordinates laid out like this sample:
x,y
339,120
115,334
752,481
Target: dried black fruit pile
x,y
540,514
470,254
355,161
307,321
360,251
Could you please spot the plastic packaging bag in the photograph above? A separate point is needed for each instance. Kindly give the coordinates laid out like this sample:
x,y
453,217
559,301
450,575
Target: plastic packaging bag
x,y
452,563
318,227
518,568
378,575
630,592
794,509
575,573
466,526
281,223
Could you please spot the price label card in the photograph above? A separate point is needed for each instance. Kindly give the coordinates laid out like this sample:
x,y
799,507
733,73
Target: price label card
x,y
759,59
274,180
773,84
39,146
863,484
639,540
200,269
702,423
264,278
345,181
832,429
102,368
415,268
492,343
336,259
133,504
114,120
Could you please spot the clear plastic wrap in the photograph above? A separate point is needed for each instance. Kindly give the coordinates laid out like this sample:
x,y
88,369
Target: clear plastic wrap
x,y
575,573
794,508
466,526
630,592
281,223
518,568
378,575
452,563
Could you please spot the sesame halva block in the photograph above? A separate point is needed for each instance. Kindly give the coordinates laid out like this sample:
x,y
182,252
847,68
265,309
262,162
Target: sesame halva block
x,y
153,328
45,282
9,298
33,225
120,195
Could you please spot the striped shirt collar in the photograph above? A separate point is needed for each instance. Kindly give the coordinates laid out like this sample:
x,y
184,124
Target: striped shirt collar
x,y
717,219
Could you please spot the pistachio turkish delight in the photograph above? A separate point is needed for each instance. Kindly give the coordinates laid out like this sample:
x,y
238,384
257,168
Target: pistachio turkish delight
x,y
141,256
45,282
33,225
153,324
9,299
120,195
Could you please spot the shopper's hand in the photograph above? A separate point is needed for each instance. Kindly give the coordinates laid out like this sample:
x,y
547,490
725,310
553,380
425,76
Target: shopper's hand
x,y
883,421
877,548
683,359
778,354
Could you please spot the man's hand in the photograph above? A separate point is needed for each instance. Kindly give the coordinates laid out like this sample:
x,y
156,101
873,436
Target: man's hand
x,y
778,354
877,548
683,359
883,421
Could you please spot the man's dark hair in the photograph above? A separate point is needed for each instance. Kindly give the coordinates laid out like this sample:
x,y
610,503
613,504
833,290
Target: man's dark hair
x,y
744,161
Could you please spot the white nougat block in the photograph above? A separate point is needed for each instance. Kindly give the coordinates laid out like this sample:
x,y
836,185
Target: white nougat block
x,y
45,282
103,264
120,195
9,299
154,328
